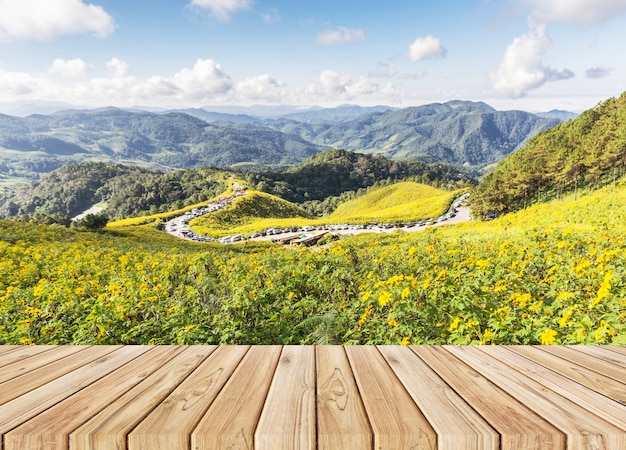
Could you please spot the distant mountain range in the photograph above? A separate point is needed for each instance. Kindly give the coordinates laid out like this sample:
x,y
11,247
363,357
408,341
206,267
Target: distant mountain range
x,y
457,132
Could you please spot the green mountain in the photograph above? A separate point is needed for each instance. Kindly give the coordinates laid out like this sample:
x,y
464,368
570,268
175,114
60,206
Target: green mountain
x,y
38,144
460,132
589,151
132,191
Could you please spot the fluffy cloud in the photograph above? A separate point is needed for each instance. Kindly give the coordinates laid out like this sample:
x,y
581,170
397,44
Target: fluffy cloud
x,y
333,85
45,19
222,9
263,87
581,12
598,72
522,67
202,83
206,78
341,35
73,68
428,47
117,68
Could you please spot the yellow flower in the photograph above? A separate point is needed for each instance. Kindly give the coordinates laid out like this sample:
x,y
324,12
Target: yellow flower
x,y
405,341
392,322
482,263
405,293
604,291
384,297
365,296
548,337
455,324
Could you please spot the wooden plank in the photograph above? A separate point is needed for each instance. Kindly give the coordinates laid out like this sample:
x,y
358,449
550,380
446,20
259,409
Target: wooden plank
x,y
341,418
396,421
231,420
108,428
604,353
18,411
584,430
22,366
288,417
587,370
171,423
517,358
456,423
51,428
617,348
14,353
12,389
519,427
7,348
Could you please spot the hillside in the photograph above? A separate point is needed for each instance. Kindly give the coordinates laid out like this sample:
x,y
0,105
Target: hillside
x,y
39,144
400,202
126,191
334,172
563,281
130,191
456,132
587,152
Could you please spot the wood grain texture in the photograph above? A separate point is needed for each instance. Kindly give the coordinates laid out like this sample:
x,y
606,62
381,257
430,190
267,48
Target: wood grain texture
x,y
519,427
171,423
591,400
51,429
231,420
109,428
13,353
341,418
287,421
9,371
456,423
612,378
603,353
27,406
584,430
39,376
396,421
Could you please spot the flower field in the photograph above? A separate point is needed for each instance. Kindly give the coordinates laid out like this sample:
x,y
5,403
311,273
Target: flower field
x,y
551,274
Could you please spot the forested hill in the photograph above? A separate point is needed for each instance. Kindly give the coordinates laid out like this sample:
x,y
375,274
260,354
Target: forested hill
x,y
589,151
39,144
334,172
460,132
131,191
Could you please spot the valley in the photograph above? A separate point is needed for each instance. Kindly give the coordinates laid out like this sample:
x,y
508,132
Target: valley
x,y
548,267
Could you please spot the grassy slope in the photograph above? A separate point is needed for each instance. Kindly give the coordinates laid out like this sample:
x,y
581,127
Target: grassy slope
x,y
257,211
399,202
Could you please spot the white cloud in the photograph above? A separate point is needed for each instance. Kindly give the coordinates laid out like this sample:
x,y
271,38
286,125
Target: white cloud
x,y
598,72
46,19
206,78
336,86
522,67
117,68
581,12
428,47
73,68
341,35
263,87
223,9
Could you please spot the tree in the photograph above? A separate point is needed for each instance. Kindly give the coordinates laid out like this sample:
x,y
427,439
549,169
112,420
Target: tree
x,y
92,222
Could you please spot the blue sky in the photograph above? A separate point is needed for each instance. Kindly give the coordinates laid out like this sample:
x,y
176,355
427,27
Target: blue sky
x,y
533,55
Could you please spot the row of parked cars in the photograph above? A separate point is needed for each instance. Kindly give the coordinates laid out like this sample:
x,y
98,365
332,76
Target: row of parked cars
x,y
179,225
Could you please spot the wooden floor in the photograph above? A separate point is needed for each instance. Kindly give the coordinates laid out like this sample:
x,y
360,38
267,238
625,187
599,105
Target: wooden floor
x,y
306,397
